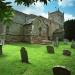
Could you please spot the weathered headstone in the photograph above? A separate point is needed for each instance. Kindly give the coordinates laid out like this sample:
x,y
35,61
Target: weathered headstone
x,y
66,41
66,53
73,44
2,41
56,42
50,49
1,46
0,49
61,71
24,55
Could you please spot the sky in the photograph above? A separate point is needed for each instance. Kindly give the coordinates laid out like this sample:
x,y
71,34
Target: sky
x,y
66,6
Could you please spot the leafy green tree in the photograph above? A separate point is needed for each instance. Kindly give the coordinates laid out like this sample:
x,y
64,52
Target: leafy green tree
x,y
6,11
69,28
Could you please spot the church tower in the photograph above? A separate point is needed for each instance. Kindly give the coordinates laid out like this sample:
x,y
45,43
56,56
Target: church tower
x,y
56,21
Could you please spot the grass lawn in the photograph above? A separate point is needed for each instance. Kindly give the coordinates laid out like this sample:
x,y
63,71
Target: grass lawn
x,y
41,62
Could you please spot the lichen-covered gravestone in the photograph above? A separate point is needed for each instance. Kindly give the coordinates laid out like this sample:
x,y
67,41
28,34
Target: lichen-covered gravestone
x,y
66,53
24,55
73,44
50,49
61,71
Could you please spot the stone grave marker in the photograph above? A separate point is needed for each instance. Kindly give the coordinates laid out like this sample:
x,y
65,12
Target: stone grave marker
x,y
66,53
1,44
73,44
2,41
56,42
50,49
0,49
59,70
24,55
66,41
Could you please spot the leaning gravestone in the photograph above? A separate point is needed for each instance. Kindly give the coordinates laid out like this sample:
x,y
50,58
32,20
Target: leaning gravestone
x,y
73,44
50,49
24,55
59,70
66,53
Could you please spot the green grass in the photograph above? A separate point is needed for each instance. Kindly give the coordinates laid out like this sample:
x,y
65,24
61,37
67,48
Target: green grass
x,y
41,62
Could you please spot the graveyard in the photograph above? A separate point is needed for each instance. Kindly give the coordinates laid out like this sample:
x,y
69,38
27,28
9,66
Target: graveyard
x,y
40,61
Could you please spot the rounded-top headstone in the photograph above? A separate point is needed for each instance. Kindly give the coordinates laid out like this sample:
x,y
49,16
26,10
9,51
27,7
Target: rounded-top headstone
x,y
24,55
50,49
59,70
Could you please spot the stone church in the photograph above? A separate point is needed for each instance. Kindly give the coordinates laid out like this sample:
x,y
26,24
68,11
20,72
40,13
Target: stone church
x,y
32,28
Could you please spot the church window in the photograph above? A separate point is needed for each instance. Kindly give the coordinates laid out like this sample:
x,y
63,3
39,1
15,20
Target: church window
x,y
40,29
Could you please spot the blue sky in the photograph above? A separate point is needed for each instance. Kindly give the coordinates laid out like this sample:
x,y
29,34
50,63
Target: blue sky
x,y
66,6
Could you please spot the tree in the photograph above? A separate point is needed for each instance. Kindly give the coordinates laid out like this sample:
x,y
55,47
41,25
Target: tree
x,y
6,11
69,28
29,2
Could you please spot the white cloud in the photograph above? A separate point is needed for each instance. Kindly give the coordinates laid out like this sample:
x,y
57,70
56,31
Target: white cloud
x,y
37,9
66,3
68,16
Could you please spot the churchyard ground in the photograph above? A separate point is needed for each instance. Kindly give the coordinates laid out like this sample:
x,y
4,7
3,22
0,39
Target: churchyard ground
x,y
41,62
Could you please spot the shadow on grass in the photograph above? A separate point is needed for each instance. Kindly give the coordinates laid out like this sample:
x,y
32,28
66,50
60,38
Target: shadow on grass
x,y
3,56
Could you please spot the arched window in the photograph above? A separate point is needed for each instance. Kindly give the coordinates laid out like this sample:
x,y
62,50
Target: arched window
x,y
40,29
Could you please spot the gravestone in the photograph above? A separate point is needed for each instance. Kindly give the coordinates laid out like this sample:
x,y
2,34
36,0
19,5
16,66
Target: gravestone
x,y
66,41
1,44
56,42
66,53
24,55
61,71
73,44
0,49
50,49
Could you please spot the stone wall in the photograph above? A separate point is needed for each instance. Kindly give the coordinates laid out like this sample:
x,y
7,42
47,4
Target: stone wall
x,y
27,28
58,33
14,32
13,38
39,27
36,39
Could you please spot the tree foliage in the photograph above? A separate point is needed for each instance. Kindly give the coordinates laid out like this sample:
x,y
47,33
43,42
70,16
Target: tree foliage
x,y
69,28
29,2
6,11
